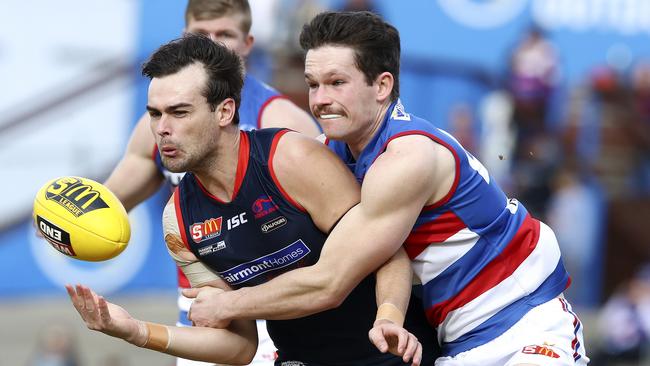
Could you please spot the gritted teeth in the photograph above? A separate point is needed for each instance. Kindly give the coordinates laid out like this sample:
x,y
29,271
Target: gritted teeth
x,y
330,116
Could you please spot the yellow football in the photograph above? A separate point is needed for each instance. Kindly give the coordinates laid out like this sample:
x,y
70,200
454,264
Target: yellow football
x,y
81,219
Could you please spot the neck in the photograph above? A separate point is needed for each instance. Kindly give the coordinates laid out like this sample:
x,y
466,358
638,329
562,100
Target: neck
x,y
219,169
359,143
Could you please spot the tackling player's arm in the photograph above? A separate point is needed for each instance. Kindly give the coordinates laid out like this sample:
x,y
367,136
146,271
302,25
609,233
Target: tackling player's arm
x,y
396,279
394,283
136,176
313,176
413,172
281,112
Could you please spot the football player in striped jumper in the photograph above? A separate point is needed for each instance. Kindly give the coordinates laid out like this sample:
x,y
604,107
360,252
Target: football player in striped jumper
x,y
492,275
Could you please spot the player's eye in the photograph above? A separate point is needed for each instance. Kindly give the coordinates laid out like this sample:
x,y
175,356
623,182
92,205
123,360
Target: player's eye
x,y
338,82
154,114
180,114
226,35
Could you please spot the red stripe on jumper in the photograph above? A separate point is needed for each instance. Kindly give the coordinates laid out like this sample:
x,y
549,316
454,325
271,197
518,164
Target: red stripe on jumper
x,y
500,268
437,231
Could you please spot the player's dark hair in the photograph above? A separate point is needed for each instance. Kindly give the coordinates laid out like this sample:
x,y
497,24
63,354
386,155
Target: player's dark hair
x,y
375,42
222,66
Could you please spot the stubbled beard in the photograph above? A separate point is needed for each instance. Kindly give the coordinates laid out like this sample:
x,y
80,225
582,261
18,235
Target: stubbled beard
x,y
175,165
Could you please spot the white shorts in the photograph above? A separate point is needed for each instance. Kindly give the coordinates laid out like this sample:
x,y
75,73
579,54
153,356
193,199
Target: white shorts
x,y
549,334
265,355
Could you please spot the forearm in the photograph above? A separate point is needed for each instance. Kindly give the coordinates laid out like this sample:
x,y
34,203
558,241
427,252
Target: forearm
x,y
292,295
348,256
133,180
394,282
235,345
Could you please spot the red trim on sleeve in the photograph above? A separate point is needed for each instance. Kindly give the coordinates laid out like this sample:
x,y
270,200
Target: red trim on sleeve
x,y
179,217
266,104
274,145
451,192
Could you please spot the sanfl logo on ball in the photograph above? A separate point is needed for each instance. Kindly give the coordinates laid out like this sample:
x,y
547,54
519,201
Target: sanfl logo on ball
x,y
75,196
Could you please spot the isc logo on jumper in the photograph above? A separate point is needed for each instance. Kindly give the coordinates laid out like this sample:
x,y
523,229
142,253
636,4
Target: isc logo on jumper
x,y
58,238
74,196
205,230
288,255
263,206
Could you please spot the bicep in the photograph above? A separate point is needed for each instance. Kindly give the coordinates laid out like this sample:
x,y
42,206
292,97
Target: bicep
x,y
394,191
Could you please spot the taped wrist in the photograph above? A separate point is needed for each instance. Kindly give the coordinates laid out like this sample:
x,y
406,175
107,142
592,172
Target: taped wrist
x,y
390,312
158,337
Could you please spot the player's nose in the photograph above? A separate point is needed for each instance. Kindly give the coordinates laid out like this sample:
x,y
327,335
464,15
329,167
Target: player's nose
x,y
163,126
319,97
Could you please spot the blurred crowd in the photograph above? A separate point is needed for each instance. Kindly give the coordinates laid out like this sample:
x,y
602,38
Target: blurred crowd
x,y
580,160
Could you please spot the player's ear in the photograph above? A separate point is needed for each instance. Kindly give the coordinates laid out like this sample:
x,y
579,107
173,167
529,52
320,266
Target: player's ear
x,y
225,112
384,83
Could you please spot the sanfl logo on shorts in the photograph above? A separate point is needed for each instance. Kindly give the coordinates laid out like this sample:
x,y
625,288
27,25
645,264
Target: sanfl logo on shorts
x,y
540,350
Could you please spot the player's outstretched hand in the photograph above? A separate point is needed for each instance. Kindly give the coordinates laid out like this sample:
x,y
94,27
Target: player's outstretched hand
x,y
105,317
205,309
390,337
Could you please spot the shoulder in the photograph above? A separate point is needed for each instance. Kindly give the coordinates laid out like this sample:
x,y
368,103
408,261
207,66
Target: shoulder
x,y
416,150
293,147
413,167
304,159
170,225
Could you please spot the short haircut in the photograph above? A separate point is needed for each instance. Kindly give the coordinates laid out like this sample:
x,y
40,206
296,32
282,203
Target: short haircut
x,y
376,43
224,69
212,9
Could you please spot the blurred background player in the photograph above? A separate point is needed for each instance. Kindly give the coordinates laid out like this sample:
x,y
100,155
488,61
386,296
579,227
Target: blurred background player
x,y
140,173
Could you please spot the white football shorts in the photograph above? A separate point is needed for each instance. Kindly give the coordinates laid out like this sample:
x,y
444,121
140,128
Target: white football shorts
x,y
550,334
